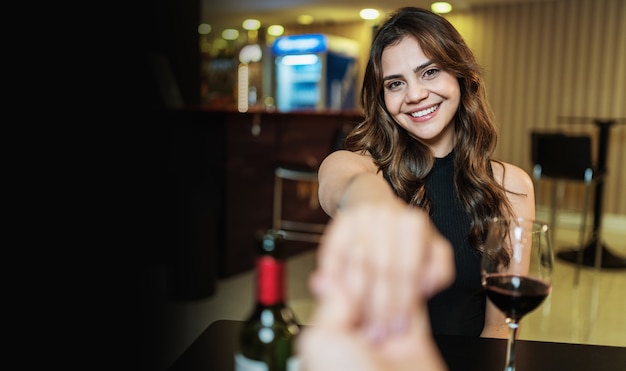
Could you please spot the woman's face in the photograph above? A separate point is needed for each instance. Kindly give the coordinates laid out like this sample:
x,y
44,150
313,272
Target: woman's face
x,y
420,96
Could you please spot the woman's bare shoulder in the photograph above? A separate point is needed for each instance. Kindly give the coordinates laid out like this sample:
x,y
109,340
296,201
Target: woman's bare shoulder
x,y
512,177
519,187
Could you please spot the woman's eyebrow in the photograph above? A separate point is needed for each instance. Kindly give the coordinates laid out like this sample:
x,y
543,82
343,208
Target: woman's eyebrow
x,y
391,77
423,65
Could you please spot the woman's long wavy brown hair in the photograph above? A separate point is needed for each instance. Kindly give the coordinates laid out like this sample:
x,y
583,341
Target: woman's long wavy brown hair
x,y
406,161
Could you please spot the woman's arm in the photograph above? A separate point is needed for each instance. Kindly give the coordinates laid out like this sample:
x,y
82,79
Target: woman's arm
x,y
347,179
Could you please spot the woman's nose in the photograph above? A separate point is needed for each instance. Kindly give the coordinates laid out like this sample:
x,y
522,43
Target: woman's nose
x,y
416,92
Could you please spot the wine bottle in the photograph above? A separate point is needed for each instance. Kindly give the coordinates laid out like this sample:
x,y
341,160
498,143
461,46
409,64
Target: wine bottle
x,y
266,340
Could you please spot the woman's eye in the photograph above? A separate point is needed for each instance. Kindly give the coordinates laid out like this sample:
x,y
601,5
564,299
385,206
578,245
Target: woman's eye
x,y
430,73
393,85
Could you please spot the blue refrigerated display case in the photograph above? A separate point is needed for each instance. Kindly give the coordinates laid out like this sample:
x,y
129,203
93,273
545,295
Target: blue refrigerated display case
x,y
315,71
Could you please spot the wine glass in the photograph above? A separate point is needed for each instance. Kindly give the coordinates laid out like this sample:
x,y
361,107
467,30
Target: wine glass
x,y
517,271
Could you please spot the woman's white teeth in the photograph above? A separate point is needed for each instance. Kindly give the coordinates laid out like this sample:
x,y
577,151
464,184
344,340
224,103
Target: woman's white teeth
x,y
425,112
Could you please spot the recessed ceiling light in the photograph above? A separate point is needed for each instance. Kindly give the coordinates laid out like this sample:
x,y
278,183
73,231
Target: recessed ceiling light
x,y
441,7
251,24
230,34
369,13
275,30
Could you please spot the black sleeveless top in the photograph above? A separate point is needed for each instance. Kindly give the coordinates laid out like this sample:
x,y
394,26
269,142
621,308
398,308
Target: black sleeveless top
x,y
460,309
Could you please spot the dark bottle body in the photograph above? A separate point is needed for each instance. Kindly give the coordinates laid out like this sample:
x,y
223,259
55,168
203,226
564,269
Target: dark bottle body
x,y
267,338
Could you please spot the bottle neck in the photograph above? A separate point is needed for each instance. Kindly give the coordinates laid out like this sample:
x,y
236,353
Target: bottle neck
x,y
270,281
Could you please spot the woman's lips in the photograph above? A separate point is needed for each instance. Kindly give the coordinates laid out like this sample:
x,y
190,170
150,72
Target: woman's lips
x,y
425,112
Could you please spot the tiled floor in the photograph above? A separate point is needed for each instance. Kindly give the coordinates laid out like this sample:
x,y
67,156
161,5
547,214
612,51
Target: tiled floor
x,y
594,312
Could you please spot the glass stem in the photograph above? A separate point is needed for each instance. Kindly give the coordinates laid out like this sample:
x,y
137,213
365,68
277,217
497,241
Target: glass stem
x,y
510,348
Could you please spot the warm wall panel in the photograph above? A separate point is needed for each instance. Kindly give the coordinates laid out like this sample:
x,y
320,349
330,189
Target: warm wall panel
x,y
544,60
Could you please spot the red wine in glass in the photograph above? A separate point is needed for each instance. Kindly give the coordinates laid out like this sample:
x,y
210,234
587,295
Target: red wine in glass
x,y
515,295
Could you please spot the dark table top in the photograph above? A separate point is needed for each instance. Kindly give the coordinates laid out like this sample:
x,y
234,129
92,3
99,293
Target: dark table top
x,y
213,351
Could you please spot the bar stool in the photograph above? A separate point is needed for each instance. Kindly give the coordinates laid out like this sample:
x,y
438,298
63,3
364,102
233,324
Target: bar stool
x,y
293,229
561,157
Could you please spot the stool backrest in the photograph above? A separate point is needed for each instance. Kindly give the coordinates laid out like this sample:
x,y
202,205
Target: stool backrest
x,y
558,155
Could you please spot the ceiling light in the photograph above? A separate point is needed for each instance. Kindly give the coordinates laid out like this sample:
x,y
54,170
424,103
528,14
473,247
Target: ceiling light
x,y
305,19
441,7
230,34
251,24
369,13
275,30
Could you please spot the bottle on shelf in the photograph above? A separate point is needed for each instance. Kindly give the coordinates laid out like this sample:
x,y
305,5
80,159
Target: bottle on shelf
x,y
266,340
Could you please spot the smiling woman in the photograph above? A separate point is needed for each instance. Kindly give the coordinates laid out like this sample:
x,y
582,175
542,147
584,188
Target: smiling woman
x,y
426,143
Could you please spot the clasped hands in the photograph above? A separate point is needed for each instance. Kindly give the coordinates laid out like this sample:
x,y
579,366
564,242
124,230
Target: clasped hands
x,y
377,266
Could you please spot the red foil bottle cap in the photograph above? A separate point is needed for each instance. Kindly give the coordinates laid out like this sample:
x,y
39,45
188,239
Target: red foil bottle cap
x,y
270,280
